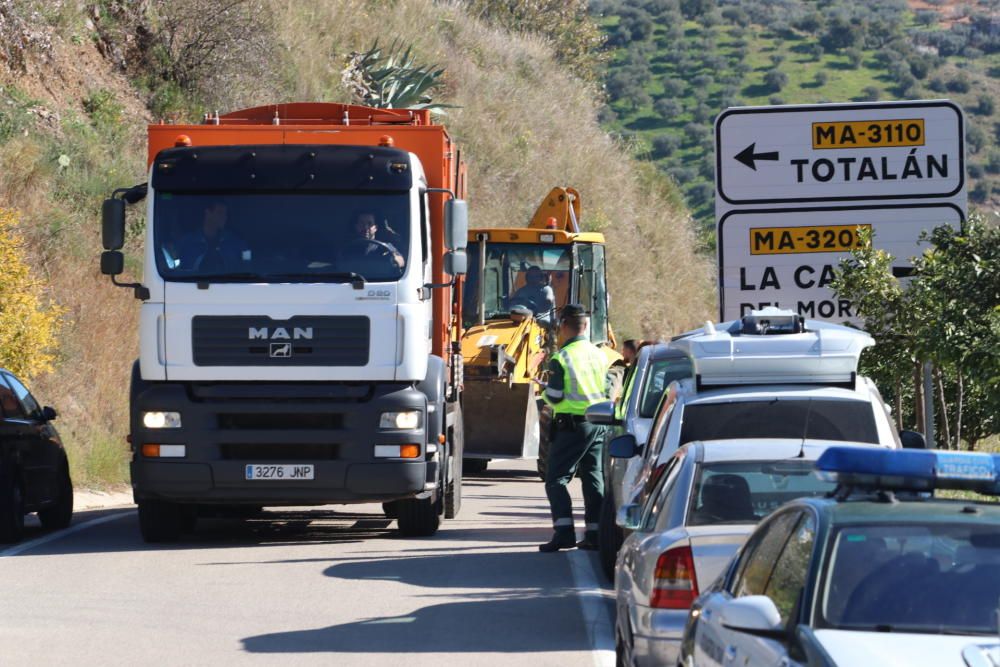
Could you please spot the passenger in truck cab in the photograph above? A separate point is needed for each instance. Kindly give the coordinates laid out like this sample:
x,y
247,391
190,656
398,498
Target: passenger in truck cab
x,y
211,247
365,242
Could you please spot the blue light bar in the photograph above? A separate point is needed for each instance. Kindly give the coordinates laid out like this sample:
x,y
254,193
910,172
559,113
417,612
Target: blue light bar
x,y
910,470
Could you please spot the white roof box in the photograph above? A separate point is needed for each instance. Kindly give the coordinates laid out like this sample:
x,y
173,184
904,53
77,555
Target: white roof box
x,y
773,346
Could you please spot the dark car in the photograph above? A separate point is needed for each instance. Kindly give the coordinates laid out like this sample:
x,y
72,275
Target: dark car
x,y
34,470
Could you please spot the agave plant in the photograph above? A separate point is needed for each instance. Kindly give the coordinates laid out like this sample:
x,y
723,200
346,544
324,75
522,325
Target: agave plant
x,y
391,79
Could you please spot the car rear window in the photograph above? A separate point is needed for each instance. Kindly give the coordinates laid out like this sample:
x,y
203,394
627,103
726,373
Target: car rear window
x,y
747,491
661,373
819,419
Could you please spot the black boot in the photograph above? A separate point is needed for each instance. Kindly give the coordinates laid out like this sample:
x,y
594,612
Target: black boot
x,y
589,541
561,539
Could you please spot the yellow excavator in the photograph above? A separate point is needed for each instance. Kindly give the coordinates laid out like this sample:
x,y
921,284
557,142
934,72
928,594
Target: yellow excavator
x,y
518,280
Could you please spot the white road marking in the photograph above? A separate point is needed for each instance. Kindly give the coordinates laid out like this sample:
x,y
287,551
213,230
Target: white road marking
x,y
595,610
25,546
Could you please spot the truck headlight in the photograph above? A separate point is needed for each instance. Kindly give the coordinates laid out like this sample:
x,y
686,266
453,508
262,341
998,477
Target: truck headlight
x,y
159,419
406,420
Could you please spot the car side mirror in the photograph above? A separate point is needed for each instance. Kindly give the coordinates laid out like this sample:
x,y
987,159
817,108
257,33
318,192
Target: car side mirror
x,y
49,413
602,413
456,224
112,262
629,516
113,223
913,440
753,614
623,447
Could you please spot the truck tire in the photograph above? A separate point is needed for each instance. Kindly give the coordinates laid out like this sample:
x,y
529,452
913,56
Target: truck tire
x,y
454,467
474,466
609,537
160,521
418,517
391,509
11,507
58,515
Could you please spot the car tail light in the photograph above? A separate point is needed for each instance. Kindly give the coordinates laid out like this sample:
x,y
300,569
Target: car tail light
x,y
674,583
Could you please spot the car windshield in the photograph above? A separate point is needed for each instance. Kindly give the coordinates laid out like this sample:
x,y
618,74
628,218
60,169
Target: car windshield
x,y
933,578
819,419
661,373
747,491
536,276
281,237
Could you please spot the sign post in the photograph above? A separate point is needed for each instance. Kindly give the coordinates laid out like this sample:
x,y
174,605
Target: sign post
x,y
794,183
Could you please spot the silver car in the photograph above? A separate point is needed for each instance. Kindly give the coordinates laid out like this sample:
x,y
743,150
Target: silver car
x,y
705,500
655,367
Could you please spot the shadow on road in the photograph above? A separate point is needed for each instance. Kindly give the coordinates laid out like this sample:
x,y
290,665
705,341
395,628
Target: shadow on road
x,y
529,595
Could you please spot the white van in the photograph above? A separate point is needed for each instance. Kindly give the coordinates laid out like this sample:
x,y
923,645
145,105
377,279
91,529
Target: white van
x,y
770,375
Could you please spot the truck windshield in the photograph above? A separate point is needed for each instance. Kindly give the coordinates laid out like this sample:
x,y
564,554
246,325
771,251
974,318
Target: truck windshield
x,y
281,236
537,276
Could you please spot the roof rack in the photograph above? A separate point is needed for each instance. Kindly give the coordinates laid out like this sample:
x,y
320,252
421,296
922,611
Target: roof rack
x,y
773,346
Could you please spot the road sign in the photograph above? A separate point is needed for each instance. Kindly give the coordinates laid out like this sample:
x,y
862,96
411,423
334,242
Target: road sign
x,y
840,153
786,257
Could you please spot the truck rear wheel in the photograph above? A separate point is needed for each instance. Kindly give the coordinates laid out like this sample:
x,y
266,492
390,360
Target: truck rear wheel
x,y
474,466
58,515
418,517
160,521
11,507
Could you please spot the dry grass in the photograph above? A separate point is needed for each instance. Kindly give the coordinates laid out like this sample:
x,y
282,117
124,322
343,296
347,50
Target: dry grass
x,y
525,126
524,123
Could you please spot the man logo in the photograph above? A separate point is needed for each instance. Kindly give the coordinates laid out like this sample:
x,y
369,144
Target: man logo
x,y
281,350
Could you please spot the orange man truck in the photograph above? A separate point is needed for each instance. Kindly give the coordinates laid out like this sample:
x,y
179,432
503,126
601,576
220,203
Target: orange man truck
x,y
300,315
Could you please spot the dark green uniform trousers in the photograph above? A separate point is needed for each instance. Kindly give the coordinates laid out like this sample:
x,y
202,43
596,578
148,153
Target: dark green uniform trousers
x,y
577,446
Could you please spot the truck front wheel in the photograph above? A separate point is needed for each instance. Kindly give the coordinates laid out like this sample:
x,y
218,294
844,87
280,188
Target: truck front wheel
x,y
160,521
418,517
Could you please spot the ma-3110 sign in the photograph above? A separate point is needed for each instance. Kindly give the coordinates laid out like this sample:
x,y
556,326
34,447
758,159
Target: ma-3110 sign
x,y
794,184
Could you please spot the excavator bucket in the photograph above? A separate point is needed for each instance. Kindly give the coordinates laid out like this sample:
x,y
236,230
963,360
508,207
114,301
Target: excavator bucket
x,y
501,420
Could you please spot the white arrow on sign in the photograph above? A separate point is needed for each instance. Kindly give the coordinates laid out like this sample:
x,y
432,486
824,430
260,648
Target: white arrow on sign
x,y
840,152
786,257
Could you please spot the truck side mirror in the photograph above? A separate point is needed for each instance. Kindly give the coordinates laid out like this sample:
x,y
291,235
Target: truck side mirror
x,y
113,224
456,263
456,225
112,263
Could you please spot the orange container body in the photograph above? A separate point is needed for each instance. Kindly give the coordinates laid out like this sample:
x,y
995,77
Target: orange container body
x,y
343,124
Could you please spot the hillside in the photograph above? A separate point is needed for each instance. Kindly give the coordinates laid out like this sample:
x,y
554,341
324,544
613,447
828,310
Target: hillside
x,y
79,81
675,64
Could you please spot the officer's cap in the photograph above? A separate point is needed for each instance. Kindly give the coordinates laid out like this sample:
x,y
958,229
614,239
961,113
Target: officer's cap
x,y
572,311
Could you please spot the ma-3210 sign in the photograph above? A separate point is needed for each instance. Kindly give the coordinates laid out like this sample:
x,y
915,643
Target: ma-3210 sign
x,y
794,184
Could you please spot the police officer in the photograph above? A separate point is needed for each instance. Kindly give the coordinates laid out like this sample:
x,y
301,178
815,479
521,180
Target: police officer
x,y
577,379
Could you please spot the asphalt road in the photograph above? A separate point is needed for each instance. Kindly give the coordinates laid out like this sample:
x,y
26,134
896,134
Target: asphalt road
x,y
332,586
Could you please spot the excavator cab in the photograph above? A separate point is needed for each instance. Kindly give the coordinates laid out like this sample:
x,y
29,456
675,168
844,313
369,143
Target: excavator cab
x,y
518,281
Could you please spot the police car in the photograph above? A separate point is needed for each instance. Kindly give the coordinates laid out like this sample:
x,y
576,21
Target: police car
x,y
880,573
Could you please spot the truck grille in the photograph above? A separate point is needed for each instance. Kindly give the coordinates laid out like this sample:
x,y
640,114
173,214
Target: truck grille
x,y
261,341
277,452
263,421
